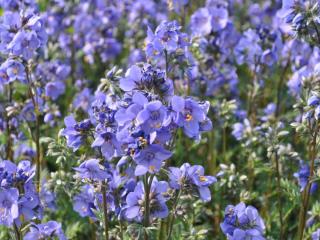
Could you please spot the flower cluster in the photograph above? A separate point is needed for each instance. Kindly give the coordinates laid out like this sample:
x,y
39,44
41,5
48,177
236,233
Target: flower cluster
x,y
133,129
133,150
22,34
47,230
242,222
19,199
167,41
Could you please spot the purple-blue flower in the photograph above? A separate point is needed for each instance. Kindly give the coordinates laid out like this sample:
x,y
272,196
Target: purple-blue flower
x,y
316,235
242,222
135,201
150,159
74,132
110,147
45,231
83,203
152,117
303,178
313,101
13,70
9,210
91,169
200,22
189,115
189,177
54,89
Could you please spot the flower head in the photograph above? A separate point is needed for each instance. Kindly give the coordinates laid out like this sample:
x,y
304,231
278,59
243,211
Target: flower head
x,y
135,201
45,231
9,210
150,159
91,169
242,222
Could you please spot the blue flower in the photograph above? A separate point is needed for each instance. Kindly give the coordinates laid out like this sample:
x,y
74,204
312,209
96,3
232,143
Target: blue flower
x,y
166,38
313,101
54,89
197,177
303,178
28,204
110,147
135,201
24,44
189,115
287,10
13,70
152,116
7,174
150,159
83,99
189,177
239,129
242,222
9,210
47,197
316,235
201,22
219,16
132,79
83,203
91,169
45,231
74,132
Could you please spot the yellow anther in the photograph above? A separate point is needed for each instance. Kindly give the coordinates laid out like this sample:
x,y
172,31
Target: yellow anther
x,y
152,168
203,178
15,71
189,117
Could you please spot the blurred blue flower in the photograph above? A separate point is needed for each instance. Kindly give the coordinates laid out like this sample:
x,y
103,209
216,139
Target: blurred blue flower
x,y
45,231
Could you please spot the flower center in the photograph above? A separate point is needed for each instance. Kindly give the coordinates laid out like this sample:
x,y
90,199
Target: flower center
x,y
152,168
143,142
15,71
155,115
203,179
2,211
188,117
150,156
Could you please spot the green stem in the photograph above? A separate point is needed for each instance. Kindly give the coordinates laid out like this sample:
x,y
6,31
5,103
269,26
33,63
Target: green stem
x,y
211,154
121,230
147,185
224,143
33,96
172,218
17,232
163,229
306,192
105,210
280,83
167,62
280,207
9,151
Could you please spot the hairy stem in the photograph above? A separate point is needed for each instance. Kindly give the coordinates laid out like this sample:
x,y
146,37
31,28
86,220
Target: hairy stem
x,y
306,192
147,186
105,210
9,151
279,195
280,83
17,232
167,62
172,218
33,96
